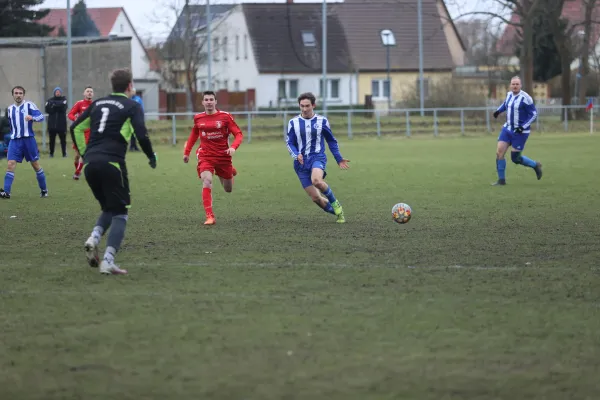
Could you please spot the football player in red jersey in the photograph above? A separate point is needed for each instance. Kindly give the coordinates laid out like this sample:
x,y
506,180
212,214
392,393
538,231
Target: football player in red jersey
x,y
213,127
76,111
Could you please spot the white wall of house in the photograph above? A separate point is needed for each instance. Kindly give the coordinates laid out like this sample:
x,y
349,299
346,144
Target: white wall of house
x,y
233,64
140,66
144,79
276,90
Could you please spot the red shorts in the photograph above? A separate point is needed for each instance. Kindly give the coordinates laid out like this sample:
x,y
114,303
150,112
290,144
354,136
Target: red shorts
x,y
87,138
222,168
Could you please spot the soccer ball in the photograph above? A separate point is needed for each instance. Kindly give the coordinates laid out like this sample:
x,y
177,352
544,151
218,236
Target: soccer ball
x,y
401,213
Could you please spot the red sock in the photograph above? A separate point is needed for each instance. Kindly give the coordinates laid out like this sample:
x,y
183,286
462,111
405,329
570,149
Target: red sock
x,y
76,164
79,168
207,200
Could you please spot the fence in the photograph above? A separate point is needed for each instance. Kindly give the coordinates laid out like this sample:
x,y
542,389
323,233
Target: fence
x,y
261,125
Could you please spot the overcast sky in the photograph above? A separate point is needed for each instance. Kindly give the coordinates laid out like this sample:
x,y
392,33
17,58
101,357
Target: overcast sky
x,y
145,13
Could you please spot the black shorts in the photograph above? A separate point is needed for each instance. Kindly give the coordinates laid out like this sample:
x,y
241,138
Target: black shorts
x,y
110,185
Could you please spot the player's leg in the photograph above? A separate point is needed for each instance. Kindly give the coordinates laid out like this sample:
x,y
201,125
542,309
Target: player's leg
x,y
93,175
504,140
225,173
63,143
32,155
52,142
304,175
116,192
205,171
15,155
518,158
318,175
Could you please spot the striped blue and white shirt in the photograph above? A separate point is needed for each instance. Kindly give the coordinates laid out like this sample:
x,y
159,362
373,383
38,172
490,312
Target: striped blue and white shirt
x,y
308,136
520,111
19,128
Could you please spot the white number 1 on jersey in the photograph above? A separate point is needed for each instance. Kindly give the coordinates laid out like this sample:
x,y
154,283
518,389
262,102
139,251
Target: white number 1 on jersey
x,y
105,111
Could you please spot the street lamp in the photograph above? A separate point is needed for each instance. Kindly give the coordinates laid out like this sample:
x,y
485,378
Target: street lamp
x,y
388,40
580,35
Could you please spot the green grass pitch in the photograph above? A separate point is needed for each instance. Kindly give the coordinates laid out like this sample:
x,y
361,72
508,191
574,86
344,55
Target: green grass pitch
x,y
487,293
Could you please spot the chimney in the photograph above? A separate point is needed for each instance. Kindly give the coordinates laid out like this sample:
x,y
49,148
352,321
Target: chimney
x,y
290,1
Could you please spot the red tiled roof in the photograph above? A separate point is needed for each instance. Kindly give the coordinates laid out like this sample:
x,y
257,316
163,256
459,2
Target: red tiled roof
x,y
104,18
573,11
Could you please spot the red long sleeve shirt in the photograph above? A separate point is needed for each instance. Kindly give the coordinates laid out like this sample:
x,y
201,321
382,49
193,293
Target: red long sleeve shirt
x,y
78,109
213,131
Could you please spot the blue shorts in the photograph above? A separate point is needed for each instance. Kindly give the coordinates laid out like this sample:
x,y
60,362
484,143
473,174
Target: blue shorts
x,y
516,140
304,172
23,148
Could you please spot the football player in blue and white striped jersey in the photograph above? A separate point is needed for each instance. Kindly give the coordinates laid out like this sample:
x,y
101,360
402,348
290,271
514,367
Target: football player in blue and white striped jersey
x,y
21,116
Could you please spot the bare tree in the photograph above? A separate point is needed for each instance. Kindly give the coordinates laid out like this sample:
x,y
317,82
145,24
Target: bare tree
x,y
586,49
525,12
185,50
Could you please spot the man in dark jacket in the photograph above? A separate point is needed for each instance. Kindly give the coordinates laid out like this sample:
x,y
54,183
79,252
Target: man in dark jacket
x,y
56,108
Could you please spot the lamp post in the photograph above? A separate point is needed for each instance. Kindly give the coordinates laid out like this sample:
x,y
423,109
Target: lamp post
x,y
69,57
324,57
388,40
420,29
578,74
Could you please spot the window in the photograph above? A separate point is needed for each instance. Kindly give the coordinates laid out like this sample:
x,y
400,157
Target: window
x,y
380,88
215,49
308,38
236,85
202,86
425,88
287,89
122,28
226,84
217,84
237,47
225,48
245,47
333,88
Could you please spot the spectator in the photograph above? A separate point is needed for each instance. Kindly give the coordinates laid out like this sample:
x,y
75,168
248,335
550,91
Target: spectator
x,y
56,108
133,144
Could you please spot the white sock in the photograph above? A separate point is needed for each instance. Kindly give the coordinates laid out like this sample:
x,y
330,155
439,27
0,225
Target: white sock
x,y
109,254
97,233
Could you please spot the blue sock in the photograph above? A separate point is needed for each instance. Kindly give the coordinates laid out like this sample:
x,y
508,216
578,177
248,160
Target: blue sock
x,y
528,162
328,208
329,194
41,178
8,181
501,167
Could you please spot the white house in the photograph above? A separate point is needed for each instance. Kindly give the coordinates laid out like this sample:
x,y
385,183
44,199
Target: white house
x,y
114,21
254,47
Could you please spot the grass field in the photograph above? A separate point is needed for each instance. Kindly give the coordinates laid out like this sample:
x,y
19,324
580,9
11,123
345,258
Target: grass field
x,y
488,292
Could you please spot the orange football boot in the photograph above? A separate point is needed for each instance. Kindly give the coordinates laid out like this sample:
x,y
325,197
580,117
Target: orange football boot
x,y
210,220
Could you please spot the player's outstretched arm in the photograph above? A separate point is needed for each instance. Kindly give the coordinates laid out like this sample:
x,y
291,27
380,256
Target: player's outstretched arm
x,y
141,133
292,142
531,113
502,108
189,144
235,130
333,145
78,130
36,114
74,111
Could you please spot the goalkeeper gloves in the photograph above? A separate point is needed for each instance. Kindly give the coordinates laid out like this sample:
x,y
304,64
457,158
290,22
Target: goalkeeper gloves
x,y
519,130
496,113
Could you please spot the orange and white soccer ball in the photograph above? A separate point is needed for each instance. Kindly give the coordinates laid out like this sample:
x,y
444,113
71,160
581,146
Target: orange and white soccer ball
x,y
401,213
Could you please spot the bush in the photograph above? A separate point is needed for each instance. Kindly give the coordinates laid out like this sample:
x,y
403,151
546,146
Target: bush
x,y
445,93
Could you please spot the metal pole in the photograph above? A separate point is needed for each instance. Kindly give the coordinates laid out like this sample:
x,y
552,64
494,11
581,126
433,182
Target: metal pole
x,y
209,45
420,29
324,56
389,82
69,57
